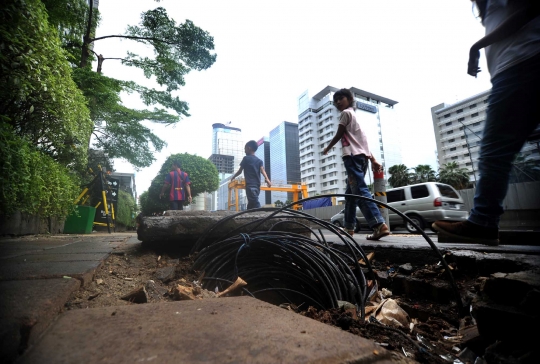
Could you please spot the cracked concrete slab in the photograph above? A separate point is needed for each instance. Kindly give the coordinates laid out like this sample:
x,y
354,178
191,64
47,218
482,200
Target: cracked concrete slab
x,y
225,330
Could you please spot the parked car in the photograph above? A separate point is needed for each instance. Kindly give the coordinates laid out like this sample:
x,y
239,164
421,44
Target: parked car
x,y
423,203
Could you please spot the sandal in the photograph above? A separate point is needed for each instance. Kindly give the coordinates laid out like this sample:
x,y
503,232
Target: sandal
x,y
379,232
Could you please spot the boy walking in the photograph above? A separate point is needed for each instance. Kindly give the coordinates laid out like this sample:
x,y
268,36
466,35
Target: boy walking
x,y
252,168
356,154
178,183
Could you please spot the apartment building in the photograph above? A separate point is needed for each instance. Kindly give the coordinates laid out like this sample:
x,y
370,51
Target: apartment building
x,y
458,132
318,122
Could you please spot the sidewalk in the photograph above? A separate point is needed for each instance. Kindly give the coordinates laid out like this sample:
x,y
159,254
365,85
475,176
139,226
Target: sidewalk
x,y
37,275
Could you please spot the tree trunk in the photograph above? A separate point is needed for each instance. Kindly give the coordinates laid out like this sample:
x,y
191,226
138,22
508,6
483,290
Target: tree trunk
x,y
86,39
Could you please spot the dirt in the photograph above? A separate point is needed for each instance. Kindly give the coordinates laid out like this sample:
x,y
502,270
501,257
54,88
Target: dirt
x,y
125,271
131,267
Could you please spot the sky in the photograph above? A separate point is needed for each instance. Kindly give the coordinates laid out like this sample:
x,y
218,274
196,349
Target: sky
x,y
269,52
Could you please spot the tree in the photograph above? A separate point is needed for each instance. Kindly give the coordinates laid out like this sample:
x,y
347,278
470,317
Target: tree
x,y
452,175
278,203
178,49
399,175
202,173
423,173
38,97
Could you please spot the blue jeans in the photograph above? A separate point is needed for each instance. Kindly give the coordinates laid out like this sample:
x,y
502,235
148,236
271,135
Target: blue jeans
x,y
512,115
356,167
252,194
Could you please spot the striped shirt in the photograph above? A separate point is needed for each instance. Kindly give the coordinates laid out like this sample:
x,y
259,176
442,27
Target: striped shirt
x,y
178,181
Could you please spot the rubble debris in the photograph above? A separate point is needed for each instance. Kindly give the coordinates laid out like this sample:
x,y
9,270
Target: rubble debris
x,y
138,295
181,293
237,284
370,257
385,293
389,313
406,268
91,297
156,291
467,356
165,274
191,291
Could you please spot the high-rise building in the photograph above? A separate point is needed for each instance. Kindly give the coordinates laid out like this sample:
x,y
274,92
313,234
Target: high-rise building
x,y
284,158
227,153
227,140
318,121
458,132
263,153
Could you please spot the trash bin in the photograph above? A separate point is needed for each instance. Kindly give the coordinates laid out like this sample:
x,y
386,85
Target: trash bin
x,y
80,221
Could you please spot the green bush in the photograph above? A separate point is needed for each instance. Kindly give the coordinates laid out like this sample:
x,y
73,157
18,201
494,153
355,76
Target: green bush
x,y
38,97
202,173
31,181
126,209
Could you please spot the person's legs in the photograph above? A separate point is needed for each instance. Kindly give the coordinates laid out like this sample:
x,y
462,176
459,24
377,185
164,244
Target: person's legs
x,y
349,217
174,205
356,167
252,194
512,116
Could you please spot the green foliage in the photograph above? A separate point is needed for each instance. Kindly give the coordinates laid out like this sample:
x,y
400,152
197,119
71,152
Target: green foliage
x,y
70,18
38,98
202,173
126,209
423,173
117,129
278,203
452,175
178,48
31,181
399,175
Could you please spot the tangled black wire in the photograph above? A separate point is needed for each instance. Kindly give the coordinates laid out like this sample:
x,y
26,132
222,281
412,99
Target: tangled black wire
x,y
297,269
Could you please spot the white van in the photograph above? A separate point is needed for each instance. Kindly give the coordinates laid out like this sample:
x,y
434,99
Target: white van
x,y
424,203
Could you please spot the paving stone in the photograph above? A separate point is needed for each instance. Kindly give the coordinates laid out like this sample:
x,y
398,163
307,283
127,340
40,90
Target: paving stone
x,y
15,247
52,257
225,330
82,270
27,308
513,288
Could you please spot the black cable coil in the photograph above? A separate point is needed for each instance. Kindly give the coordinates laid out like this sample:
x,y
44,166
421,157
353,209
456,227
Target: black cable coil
x,y
302,271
